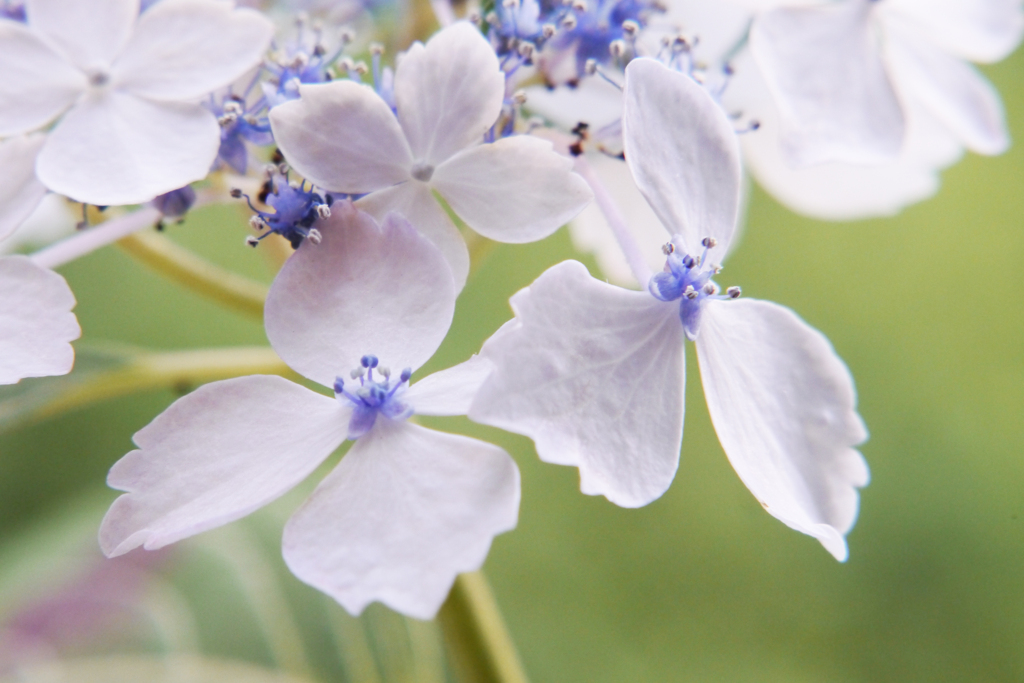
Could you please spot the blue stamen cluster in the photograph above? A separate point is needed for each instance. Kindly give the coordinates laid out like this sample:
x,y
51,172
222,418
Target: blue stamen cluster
x,y
297,62
296,209
585,30
373,397
689,279
239,123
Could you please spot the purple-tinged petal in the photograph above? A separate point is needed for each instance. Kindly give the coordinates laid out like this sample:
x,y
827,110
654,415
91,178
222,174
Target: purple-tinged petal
x,y
114,148
184,49
405,511
216,455
594,375
515,190
343,137
448,93
364,289
89,34
416,201
36,322
784,407
824,68
36,83
683,153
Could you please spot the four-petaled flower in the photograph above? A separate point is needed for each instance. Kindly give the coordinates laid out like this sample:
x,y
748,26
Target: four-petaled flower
x,y
594,373
125,88
408,508
345,138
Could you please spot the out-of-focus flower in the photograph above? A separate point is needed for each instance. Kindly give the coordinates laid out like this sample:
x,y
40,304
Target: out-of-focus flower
x,y
124,90
407,508
843,73
594,373
36,322
345,138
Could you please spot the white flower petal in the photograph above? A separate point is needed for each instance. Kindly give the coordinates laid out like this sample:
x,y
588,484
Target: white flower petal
x,y
977,30
116,148
449,93
343,137
36,322
840,191
515,190
953,90
183,49
216,455
415,201
784,408
36,83
364,289
824,69
451,391
683,153
594,375
590,231
90,34
405,511
21,191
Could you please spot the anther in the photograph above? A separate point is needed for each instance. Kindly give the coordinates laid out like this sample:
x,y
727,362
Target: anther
x,y
526,49
323,211
690,292
252,241
236,193
257,222
376,49
630,28
406,374
421,171
369,361
315,236
668,248
689,261
579,6
339,385
734,292
569,22
617,48
709,242
590,67
548,30
357,373
709,289
519,97
386,372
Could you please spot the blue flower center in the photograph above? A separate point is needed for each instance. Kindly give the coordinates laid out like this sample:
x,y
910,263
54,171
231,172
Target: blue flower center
x,y
372,396
688,279
296,209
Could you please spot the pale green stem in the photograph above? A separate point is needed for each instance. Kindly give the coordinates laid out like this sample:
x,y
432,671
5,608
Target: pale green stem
x,y
184,267
480,647
162,370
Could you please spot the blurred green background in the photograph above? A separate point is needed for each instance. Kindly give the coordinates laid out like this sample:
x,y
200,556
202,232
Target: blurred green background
x,y
702,585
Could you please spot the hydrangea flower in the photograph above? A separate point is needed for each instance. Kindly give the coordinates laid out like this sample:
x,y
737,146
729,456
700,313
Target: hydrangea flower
x,y
123,89
36,322
594,373
345,138
843,73
407,508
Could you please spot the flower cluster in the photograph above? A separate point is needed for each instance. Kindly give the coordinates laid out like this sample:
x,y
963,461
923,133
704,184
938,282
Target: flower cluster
x,y
631,120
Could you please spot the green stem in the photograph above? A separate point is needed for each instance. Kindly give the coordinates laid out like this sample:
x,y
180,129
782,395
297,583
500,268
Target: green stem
x,y
178,369
480,647
185,268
